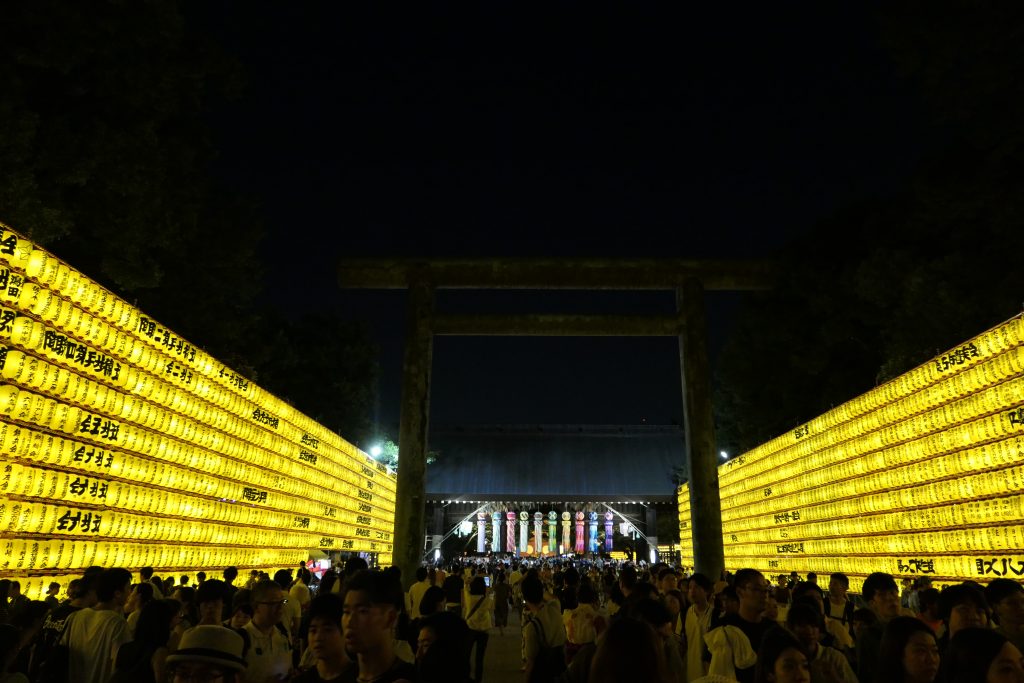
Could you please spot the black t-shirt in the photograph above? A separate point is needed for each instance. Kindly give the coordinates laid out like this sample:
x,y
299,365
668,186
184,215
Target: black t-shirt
x,y
754,633
452,587
313,676
49,635
400,671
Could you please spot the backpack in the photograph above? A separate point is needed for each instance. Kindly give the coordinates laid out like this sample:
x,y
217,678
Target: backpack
x,y
550,661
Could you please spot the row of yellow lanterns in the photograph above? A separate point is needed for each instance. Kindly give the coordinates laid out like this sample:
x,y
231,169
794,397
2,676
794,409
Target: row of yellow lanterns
x,y
987,490
976,419
21,556
954,568
88,488
55,275
994,461
992,511
983,411
64,383
24,518
106,432
808,438
991,539
38,449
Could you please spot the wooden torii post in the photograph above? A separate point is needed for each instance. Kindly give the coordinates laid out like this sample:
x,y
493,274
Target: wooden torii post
x,y
688,279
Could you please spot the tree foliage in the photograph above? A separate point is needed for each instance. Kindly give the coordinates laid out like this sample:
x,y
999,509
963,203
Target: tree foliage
x,y
105,159
881,287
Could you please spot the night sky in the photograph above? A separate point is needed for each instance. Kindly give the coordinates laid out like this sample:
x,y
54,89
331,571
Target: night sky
x,y
508,131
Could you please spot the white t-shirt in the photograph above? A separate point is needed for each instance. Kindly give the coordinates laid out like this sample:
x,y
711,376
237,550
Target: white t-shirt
x,y
268,655
93,637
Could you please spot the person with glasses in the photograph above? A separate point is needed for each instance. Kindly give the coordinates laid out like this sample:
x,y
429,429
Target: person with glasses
x,y
731,646
269,657
208,654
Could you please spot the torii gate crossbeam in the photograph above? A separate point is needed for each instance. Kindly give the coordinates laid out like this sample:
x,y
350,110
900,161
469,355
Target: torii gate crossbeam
x,y
688,279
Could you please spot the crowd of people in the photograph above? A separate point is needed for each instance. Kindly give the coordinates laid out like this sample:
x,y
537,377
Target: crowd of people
x,y
580,622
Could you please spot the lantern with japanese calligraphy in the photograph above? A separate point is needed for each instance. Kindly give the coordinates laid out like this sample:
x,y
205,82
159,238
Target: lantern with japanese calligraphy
x,y
922,475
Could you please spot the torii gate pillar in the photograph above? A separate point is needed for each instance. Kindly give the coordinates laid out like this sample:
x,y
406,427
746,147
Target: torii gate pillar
x,y
410,506
699,427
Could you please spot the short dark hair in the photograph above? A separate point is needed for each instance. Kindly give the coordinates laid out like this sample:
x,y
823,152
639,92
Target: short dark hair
x,y
200,576
154,625
329,607
628,576
805,588
283,578
774,642
999,589
146,573
971,651
586,594
230,574
380,587
111,581
744,576
355,564
960,594
145,591
652,611
927,598
421,573
478,586
263,588
211,591
879,581
533,590
894,640
431,598
801,614
702,581
840,577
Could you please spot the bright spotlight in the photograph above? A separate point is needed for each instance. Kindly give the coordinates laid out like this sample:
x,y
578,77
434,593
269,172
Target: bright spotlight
x,y
724,455
376,450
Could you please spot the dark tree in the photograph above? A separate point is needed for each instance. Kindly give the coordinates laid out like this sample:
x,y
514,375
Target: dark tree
x,y
881,287
106,159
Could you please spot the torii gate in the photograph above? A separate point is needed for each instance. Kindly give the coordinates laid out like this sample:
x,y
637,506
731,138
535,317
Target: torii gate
x,y
688,279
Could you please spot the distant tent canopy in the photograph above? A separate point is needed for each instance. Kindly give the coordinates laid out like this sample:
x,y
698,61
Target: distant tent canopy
x,y
556,463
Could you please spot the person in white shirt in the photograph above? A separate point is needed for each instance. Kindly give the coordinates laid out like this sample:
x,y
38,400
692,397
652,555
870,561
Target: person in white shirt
x,y
94,634
480,619
415,594
269,656
697,623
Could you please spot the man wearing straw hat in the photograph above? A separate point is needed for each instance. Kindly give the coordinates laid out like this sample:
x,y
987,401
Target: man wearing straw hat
x,y
207,653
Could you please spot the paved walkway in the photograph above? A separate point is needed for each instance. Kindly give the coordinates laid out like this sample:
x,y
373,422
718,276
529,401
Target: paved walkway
x,y
503,659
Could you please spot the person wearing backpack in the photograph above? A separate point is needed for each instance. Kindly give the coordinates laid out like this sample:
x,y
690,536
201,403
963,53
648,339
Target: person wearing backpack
x,y
543,635
269,655
480,619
